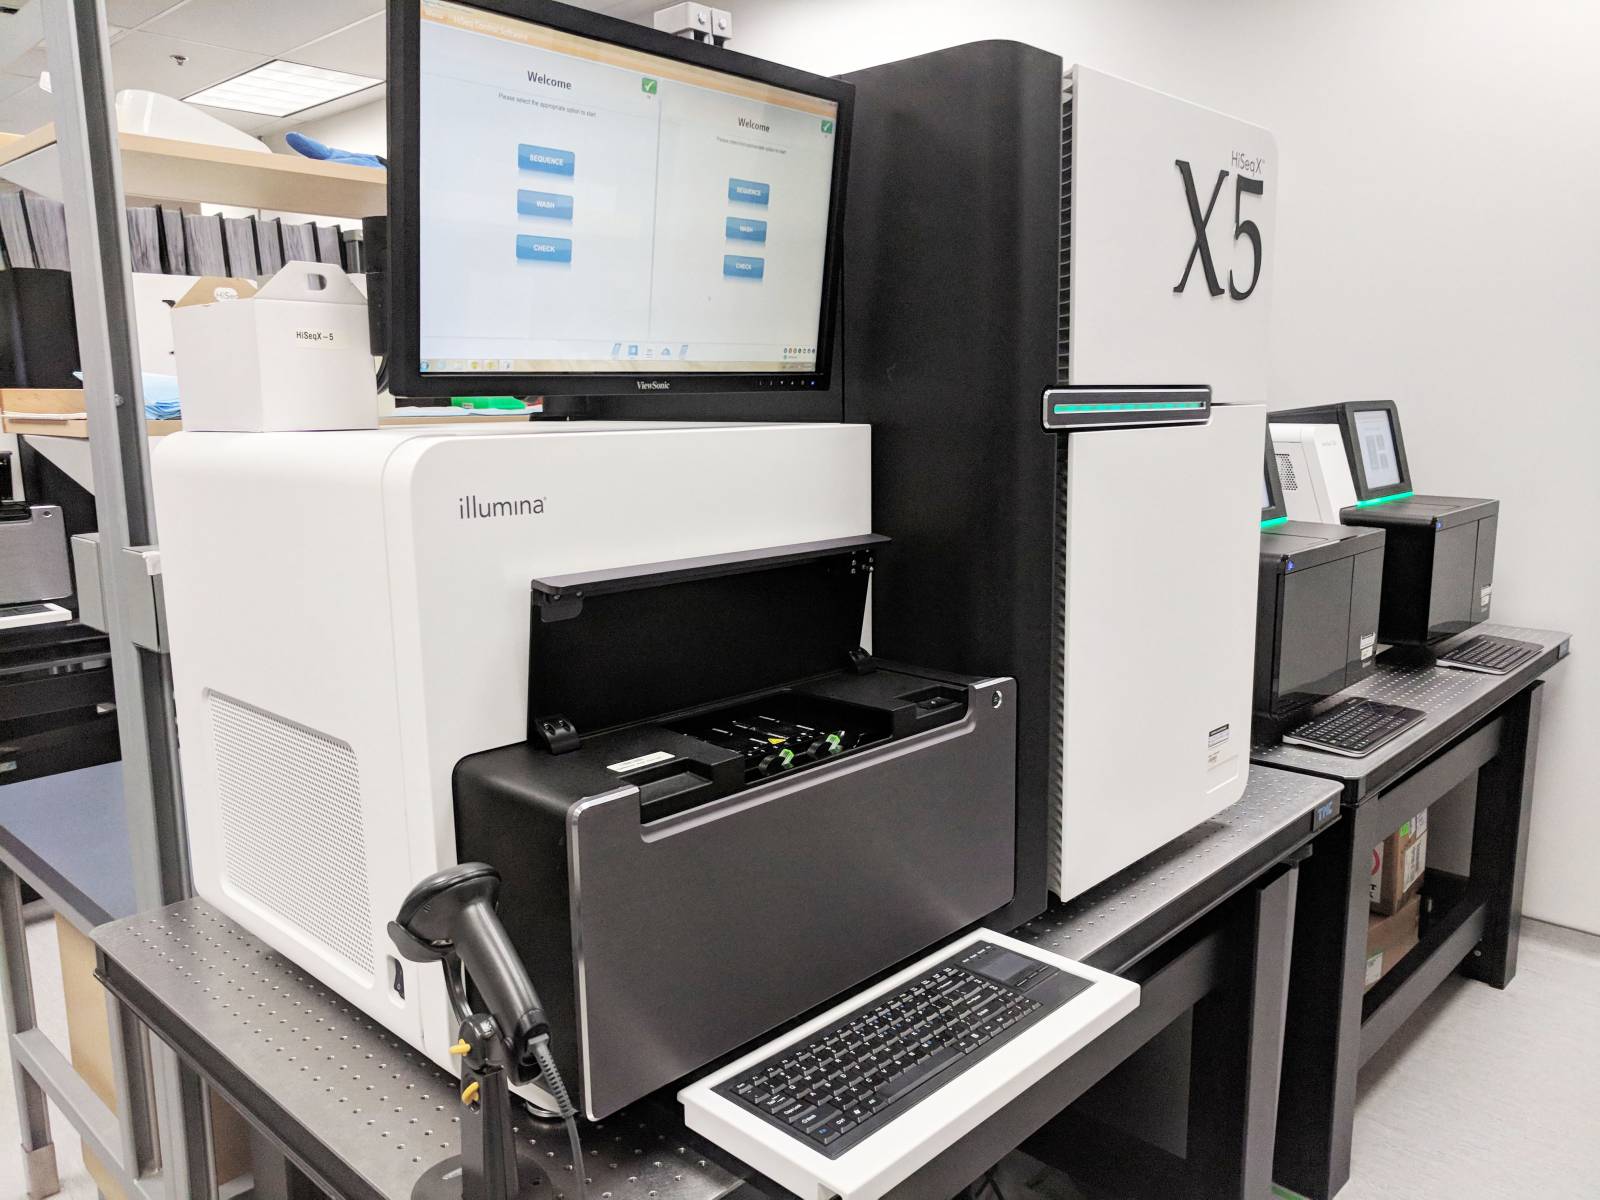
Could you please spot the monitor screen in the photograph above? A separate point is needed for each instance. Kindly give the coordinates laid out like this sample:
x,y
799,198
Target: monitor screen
x,y
585,207
1375,437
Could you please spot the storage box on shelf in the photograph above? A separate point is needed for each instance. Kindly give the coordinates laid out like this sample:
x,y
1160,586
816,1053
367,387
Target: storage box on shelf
x,y
1398,864
1391,938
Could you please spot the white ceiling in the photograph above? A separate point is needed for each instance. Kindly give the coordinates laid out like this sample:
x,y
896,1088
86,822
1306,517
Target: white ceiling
x,y
218,39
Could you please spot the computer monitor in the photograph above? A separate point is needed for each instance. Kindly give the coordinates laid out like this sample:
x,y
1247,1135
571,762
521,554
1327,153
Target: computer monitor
x,y
582,206
1377,455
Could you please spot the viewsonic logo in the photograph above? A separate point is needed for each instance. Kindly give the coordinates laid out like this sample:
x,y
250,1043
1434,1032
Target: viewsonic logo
x,y
652,385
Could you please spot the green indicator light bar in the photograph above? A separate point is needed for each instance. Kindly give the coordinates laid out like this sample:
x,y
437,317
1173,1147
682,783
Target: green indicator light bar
x,y
1274,521
1385,499
1062,410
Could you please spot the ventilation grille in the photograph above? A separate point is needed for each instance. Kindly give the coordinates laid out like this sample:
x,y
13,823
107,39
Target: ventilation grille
x,y
1064,300
290,802
1058,577
1286,475
1058,655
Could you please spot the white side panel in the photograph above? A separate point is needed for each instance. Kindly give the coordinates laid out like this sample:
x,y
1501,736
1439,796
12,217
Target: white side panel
x,y
329,581
1161,560
1134,236
277,592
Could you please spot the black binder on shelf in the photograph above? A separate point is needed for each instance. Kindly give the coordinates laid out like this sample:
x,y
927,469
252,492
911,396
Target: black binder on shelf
x,y
144,240
239,239
203,237
47,222
269,245
174,253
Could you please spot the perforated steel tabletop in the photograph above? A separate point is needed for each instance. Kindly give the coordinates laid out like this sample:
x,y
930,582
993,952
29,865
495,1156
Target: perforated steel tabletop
x,y
1128,915
366,1115
1453,699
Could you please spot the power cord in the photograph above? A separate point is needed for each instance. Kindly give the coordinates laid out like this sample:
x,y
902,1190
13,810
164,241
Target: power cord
x,y
564,1106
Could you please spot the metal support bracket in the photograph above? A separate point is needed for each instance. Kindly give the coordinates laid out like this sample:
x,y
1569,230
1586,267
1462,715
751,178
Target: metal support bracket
x,y
140,591
697,22
86,575
145,605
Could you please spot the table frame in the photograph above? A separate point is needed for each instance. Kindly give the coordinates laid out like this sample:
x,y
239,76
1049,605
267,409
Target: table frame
x,y
1472,923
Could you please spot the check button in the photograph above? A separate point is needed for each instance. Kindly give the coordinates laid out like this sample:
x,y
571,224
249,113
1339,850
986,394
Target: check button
x,y
739,266
532,248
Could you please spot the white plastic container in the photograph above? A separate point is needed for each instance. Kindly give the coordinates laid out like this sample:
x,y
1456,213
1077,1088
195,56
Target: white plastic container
x,y
293,355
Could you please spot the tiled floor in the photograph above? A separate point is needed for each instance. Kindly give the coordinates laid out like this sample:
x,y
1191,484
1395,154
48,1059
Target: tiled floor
x,y
1487,1095
1482,1095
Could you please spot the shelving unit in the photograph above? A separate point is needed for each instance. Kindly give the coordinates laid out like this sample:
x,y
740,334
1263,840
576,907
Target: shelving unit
x,y
159,168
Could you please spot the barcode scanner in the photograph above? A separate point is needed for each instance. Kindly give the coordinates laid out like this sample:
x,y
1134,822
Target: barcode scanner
x,y
450,918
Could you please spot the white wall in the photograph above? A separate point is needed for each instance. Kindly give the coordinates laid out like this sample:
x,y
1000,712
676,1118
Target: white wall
x,y
1438,244
363,129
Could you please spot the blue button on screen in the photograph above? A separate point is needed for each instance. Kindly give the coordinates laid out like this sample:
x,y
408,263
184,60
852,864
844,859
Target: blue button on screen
x,y
545,158
746,191
744,229
737,266
544,204
532,248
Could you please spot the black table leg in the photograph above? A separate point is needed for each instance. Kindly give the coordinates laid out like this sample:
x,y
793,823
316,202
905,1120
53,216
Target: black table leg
x,y
1322,1035
276,1178
1237,1050
1500,839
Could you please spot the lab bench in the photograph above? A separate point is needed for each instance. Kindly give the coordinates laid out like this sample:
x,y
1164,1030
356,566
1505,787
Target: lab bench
x,y
1479,725
339,1105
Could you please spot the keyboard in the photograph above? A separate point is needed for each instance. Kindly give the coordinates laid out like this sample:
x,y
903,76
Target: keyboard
x,y
1492,655
1354,727
855,1100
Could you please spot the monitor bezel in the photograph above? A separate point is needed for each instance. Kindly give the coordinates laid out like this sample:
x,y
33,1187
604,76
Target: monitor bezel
x,y
403,349
1352,449
1275,509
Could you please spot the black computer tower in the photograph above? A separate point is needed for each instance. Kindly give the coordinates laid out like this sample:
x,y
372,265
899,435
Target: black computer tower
x,y
1316,614
1438,575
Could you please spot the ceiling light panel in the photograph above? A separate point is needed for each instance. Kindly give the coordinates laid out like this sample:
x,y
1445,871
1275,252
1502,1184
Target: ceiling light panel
x,y
278,89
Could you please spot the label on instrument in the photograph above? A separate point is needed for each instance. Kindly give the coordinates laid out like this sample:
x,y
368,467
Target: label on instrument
x,y
1217,745
644,760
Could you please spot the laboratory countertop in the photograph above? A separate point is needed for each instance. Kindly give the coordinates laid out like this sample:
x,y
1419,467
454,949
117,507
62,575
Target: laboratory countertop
x,y
67,835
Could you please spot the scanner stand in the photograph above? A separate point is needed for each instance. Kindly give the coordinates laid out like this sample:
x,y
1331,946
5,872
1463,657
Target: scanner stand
x,y
493,1163
450,918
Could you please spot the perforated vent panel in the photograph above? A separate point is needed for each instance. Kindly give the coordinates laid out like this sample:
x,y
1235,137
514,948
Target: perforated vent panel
x,y
290,802
1064,302
1286,475
1058,583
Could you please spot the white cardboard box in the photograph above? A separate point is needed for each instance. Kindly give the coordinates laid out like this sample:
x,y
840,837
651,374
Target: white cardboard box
x,y
294,354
